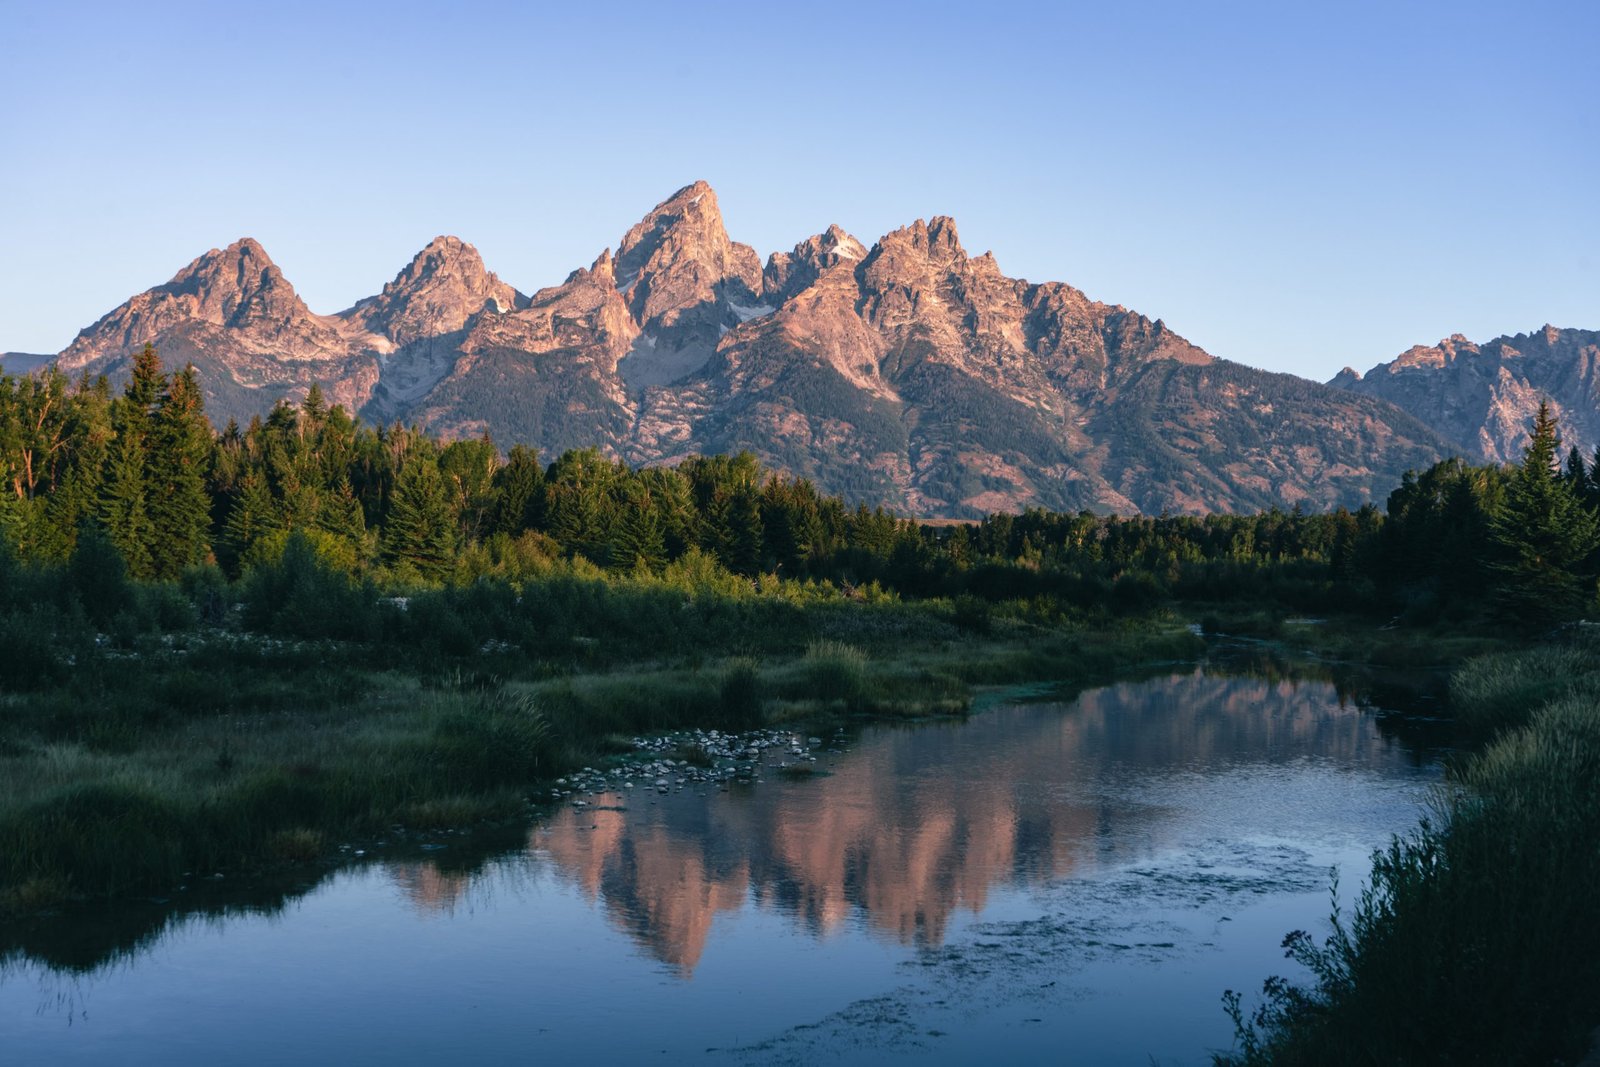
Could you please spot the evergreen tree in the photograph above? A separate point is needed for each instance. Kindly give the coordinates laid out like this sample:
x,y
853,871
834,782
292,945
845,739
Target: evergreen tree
x,y
638,541
421,526
341,514
744,524
468,469
518,491
180,506
252,517
1545,536
1577,475
125,493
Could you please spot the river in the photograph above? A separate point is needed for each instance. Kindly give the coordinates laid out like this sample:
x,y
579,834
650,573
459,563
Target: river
x,y
1071,880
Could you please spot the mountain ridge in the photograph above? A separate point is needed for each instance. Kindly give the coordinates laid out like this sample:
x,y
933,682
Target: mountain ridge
x,y
907,372
1483,397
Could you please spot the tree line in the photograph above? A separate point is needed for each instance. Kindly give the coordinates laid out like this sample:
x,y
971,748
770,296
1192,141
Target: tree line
x,y
144,470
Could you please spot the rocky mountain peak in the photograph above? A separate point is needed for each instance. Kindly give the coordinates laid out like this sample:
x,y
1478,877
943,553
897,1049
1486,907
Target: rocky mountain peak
x,y
678,257
789,272
1482,397
687,224
443,286
235,286
935,242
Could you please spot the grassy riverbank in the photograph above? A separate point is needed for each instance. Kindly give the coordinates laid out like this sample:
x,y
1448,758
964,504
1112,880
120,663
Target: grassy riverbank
x,y
317,712
1475,939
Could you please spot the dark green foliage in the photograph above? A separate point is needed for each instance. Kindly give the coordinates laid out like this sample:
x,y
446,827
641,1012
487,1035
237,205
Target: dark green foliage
x,y
1546,536
97,578
420,532
519,491
126,491
180,506
739,694
301,594
503,738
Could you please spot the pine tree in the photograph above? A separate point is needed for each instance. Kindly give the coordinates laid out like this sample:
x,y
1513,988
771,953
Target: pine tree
x,y
341,514
252,517
77,497
1544,535
518,491
638,541
125,494
421,526
180,506
744,526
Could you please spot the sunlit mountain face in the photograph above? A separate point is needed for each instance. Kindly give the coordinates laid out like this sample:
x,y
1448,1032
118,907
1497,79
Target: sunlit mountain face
x,y
903,371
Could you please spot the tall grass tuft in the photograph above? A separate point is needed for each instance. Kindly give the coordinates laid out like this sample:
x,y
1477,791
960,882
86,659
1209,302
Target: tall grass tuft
x,y
739,693
836,671
1492,694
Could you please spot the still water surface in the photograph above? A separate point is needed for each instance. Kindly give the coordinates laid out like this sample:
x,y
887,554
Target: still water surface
x,y
1067,882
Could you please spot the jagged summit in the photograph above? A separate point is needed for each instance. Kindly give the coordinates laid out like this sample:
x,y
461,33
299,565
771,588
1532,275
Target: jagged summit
x,y
902,371
1482,397
679,257
237,288
442,287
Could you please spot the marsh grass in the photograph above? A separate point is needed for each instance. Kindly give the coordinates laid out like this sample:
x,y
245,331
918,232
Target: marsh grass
x,y
136,759
836,671
1475,939
1496,693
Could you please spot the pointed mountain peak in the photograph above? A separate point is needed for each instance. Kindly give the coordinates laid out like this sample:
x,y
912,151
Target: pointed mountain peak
x,y
835,241
235,286
687,223
787,273
679,256
442,257
942,233
242,266
444,285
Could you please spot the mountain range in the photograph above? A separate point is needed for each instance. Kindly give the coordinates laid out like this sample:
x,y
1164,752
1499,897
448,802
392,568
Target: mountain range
x,y
1483,398
907,372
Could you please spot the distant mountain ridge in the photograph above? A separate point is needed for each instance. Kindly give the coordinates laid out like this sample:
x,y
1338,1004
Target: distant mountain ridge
x,y
907,373
1483,398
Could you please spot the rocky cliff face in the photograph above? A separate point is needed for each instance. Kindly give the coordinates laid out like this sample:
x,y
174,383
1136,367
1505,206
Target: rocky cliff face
x,y
238,320
1483,398
907,372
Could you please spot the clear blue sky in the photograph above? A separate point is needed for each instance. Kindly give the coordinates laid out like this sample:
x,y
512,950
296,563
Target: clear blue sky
x,y
1294,189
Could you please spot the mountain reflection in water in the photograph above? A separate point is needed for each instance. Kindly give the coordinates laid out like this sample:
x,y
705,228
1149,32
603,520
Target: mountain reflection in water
x,y
916,823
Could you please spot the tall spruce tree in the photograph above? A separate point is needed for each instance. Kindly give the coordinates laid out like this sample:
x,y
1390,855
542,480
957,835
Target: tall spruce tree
x,y
637,541
745,530
1544,535
518,491
125,492
421,525
180,506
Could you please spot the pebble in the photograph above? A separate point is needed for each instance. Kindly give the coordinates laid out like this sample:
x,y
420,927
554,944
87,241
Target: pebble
x,y
730,757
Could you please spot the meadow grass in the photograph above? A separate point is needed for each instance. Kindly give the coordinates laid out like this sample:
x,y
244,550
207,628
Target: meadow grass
x,y
181,755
